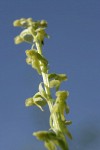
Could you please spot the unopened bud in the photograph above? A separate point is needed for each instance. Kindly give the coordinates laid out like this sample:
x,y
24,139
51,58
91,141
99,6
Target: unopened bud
x,y
43,23
29,102
17,23
18,40
62,94
30,21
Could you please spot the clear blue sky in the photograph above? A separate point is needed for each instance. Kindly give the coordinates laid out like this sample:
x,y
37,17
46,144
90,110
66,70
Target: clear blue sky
x,y
74,48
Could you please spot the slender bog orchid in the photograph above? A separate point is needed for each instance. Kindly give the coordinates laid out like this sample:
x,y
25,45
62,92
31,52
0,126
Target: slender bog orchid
x,y
34,33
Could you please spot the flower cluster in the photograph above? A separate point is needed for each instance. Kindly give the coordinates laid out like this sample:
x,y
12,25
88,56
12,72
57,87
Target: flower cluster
x,y
34,33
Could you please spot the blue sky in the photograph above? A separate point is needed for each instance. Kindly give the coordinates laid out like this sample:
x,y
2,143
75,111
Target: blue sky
x,y
74,49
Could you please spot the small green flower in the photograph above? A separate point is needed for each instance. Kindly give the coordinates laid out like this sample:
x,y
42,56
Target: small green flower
x,y
37,100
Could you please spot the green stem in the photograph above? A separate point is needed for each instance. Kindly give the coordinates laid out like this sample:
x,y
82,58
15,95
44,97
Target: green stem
x,y
44,75
47,90
55,123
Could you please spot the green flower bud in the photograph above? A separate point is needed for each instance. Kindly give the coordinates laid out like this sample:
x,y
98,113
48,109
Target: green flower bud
x,y
29,61
23,22
55,83
23,19
30,53
43,23
62,94
18,39
16,23
30,21
29,102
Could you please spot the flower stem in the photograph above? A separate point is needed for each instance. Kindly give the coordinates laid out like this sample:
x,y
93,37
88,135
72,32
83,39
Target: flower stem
x,y
55,124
